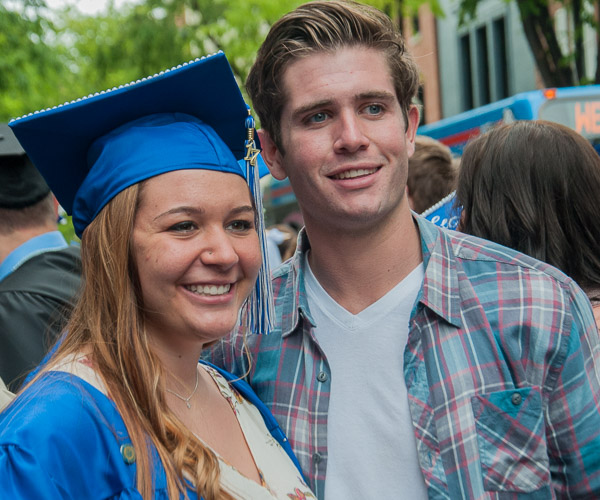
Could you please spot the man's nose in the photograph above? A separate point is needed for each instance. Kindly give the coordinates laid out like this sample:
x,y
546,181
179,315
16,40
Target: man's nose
x,y
351,135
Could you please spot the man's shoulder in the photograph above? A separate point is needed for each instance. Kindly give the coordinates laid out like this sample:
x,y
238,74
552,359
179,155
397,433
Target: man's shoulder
x,y
56,274
480,256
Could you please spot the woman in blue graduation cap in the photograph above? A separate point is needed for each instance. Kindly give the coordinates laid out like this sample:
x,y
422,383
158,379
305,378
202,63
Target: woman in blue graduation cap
x,y
171,239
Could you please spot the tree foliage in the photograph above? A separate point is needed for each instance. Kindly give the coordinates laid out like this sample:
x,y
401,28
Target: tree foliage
x,y
559,66
49,57
30,69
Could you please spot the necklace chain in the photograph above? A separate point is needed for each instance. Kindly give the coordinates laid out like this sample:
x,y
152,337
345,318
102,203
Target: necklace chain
x,y
187,400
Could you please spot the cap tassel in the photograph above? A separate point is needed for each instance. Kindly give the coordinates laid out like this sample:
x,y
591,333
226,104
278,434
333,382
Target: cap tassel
x,y
260,308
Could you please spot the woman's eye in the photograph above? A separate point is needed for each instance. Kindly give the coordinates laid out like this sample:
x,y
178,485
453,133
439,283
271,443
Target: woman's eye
x,y
183,227
241,225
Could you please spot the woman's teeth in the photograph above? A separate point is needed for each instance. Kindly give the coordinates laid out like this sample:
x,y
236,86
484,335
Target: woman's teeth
x,y
209,289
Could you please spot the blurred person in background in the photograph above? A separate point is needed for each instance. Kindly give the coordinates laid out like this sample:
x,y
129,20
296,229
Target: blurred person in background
x,y
432,173
284,236
534,186
40,273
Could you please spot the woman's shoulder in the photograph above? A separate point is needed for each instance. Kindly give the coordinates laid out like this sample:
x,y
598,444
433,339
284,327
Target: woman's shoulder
x,y
57,404
62,432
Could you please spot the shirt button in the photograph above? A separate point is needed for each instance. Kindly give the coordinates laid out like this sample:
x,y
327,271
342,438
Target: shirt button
x,y
516,399
317,457
322,377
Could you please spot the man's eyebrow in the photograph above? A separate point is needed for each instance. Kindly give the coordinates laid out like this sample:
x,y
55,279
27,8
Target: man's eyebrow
x,y
382,95
313,106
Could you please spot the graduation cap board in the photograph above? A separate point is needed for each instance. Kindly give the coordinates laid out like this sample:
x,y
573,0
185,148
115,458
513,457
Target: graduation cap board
x,y
58,139
444,213
192,116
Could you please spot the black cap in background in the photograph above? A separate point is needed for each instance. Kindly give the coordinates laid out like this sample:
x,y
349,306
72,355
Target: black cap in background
x,y
21,185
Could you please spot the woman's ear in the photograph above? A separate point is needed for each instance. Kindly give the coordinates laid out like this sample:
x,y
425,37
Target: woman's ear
x,y
271,155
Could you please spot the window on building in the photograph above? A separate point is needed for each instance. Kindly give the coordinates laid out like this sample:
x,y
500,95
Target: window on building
x,y
465,60
483,67
420,100
416,26
500,61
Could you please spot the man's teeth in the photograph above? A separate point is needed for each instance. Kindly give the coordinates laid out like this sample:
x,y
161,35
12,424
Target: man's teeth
x,y
350,174
209,289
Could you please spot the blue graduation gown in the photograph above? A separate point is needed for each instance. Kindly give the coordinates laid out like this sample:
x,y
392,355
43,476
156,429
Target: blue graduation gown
x,y
62,438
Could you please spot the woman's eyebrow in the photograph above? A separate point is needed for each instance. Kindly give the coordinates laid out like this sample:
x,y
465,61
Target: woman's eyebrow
x,y
181,210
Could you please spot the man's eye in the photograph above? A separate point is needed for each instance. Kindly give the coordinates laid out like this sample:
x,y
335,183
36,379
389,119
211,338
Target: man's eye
x,y
318,117
240,225
374,109
183,227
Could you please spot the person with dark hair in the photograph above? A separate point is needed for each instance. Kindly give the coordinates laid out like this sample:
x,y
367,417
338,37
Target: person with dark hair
x,y
432,173
406,359
171,229
40,273
534,186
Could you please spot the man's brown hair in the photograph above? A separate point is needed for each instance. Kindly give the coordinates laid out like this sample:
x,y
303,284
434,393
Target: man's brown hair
x,y
325,27
432,173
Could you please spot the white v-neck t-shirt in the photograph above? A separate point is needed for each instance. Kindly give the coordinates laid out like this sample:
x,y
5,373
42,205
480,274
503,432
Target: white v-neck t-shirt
x,y
371,446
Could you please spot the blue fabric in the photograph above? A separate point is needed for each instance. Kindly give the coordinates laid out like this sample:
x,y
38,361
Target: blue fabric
x,y
46,242
62,438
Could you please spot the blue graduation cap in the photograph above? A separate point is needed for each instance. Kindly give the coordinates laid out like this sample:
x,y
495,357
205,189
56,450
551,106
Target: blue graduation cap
x,y
444,213
187,117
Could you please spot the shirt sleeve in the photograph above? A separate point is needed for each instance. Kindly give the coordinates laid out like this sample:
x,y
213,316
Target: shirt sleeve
x,y
573,422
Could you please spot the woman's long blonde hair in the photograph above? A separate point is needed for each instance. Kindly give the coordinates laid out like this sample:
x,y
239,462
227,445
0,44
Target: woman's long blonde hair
x,y
108,323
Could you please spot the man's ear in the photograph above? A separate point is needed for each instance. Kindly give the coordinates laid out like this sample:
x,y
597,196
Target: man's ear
x,y
56,205
411,129
271,155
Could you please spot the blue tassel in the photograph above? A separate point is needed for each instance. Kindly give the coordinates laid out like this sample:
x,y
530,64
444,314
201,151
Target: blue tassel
x,y
259,306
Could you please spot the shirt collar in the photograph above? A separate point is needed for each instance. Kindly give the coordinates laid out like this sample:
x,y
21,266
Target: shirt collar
x,y
37,245
297,290
440,292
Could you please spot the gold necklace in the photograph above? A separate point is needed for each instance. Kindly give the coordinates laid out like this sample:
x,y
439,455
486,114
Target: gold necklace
x,y
187,400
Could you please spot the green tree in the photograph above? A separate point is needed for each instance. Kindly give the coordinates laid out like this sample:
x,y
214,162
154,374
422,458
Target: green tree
x,y
558,67
30,67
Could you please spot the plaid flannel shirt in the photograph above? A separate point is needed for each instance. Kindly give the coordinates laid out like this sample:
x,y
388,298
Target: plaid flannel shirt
x,y
502,368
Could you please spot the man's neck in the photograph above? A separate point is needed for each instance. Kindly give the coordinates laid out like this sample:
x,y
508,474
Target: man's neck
x,y
358,268
10,241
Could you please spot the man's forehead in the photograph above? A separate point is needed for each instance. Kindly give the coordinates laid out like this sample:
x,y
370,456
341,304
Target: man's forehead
x,y
322,76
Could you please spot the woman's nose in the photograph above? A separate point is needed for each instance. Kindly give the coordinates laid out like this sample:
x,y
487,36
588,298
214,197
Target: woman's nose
x,y
218,250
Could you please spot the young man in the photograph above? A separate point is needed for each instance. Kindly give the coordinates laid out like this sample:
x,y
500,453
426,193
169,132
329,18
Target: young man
x,y
406,361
